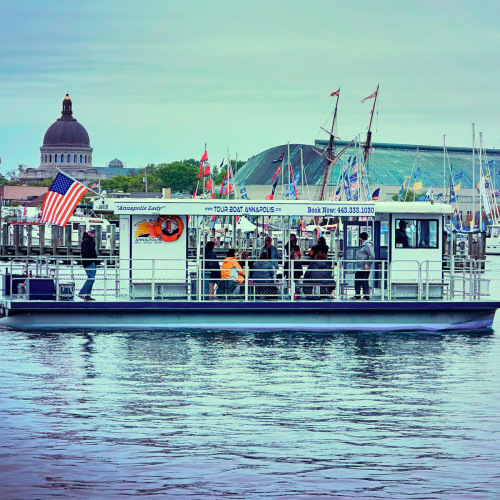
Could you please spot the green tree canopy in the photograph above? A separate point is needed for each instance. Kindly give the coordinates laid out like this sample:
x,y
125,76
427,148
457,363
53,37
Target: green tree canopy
x,y
178,175
408,195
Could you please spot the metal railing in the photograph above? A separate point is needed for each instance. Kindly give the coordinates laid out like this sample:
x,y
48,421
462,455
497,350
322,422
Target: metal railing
x,y
156,279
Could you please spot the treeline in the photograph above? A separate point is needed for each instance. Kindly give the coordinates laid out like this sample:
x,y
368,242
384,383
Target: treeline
x,y
180,176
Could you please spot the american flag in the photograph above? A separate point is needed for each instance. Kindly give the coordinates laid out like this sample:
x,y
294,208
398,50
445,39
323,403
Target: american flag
x,y
61,200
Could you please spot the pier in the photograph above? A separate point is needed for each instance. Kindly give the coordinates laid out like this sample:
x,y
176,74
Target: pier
x,y
24,239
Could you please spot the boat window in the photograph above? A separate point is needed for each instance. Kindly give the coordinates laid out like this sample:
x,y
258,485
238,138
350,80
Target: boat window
x,y
416,233
384,233
352,236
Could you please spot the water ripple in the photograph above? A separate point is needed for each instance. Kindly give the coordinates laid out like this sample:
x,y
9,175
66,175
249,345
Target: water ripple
x,y
255,415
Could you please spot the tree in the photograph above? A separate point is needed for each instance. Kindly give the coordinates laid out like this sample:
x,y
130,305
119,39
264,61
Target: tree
x,y
15,174
408,195
220,177
178,175
45,183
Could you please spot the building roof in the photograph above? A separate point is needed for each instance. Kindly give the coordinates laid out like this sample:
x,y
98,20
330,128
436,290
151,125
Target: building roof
x,y
22,192
66,131
114,171
388,164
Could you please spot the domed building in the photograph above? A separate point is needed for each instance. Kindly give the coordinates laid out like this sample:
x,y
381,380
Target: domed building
x,y
66,145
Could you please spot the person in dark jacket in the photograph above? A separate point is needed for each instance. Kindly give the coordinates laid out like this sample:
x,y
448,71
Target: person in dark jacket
x,y
320,271
89,262
364,256
292,246
263,271
212,270
320,247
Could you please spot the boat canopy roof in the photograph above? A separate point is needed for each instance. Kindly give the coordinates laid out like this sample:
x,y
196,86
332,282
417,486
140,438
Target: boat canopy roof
x,y
155,206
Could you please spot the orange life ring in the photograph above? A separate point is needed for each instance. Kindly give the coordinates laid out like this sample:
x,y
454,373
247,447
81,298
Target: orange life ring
x,y
164,230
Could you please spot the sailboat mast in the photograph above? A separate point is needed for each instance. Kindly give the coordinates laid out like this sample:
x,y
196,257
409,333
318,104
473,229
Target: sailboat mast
x,y
368,142
330,149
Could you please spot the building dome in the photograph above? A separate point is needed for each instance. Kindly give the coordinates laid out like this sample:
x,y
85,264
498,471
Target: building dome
x,y
66,147
66,131
116,163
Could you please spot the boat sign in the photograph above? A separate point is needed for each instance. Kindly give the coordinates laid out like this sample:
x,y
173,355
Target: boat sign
x,y
245,207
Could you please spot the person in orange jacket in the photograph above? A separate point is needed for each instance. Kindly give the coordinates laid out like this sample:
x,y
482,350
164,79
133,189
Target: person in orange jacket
x,y
231,273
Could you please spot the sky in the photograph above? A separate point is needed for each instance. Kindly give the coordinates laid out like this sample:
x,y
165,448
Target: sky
x,y
156,80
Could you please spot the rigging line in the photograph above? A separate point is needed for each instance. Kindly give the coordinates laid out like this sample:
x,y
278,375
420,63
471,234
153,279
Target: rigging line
x,y
411,175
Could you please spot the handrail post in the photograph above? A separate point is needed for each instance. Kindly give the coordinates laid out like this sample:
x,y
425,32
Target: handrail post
x,y
153,279
105,278
427,277
382,280
246,280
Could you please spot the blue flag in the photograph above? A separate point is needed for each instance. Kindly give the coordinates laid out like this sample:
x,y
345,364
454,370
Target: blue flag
x,y
347,189
417,173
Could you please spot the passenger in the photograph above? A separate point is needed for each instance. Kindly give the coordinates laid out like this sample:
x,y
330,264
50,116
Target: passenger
x,y
296,266
401,236
245,256
231,274
271,252
320,271
89,262
212,270
364,257
292,245
320,247
263,271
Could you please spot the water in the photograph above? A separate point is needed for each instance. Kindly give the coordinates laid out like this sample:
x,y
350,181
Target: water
x,y
218,414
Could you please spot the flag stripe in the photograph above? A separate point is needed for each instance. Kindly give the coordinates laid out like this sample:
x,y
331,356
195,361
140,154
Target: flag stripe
x,y
65,203
61,200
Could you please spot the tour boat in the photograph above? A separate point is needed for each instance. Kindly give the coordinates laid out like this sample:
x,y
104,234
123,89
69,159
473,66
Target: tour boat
x,y
161,277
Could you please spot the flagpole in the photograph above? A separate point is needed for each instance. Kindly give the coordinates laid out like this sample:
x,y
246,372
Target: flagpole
x,y
289,168
444,163
203,173
473,179
369,134
73,179
236,170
